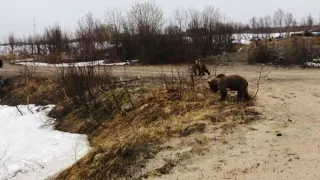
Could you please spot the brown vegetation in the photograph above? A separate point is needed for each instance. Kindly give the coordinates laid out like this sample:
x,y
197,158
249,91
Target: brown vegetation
x,y
290,51
125,120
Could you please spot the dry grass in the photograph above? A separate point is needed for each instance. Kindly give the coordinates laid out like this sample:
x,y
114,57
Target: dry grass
x,y
39,89
122,148
130,138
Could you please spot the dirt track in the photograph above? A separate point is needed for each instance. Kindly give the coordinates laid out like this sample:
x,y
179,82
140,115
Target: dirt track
x,y
289,100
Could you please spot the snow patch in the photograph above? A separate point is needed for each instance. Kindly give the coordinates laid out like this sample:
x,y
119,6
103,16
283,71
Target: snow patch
x,y
79,64
314,63
30,148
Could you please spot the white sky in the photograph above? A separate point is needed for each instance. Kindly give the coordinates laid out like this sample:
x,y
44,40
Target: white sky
x,y
17,15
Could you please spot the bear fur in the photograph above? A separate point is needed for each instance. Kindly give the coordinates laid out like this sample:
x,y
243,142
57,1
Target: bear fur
x,y
200,67
233,82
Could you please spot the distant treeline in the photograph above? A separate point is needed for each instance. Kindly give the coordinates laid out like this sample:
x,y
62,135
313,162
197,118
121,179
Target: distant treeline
x,y
143,33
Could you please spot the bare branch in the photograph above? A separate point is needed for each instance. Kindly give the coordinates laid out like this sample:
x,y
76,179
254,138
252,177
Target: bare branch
x,y
19,110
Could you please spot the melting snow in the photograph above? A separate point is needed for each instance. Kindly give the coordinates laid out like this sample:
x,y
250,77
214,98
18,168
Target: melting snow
x,y
30,148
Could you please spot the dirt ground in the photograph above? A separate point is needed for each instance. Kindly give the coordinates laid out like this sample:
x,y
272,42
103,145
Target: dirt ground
x,y
289,101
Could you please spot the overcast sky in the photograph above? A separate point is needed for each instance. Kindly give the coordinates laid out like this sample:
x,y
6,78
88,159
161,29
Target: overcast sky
x,y
17,15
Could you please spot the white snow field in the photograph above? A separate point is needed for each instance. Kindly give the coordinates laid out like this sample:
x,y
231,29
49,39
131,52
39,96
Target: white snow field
x,y
30,148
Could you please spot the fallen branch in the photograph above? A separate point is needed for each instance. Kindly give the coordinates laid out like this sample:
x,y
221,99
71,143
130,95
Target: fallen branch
x,y
29,109
19,110
65,95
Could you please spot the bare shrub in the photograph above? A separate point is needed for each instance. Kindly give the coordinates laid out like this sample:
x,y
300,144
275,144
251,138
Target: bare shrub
x,y
297,51
91,36
262,54
12,42
300,51
181,83
28,74
94,90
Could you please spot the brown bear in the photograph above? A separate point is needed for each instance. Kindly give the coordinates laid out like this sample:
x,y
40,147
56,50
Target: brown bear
x,y
200,67
233,82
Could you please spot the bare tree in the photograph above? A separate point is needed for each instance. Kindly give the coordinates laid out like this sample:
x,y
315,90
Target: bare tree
x,y
181,18
310,21
278,17
142,28
12,42
303,22
114,21
146,17
54,39
288,21
294,24
268,24
195,21
30,42
261,24
268,21
86,36
253,24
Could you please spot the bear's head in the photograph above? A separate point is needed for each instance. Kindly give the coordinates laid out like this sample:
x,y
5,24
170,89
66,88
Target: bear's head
x,y
213,84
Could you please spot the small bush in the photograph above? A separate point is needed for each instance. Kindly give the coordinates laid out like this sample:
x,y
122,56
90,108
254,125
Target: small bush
x,y
262,54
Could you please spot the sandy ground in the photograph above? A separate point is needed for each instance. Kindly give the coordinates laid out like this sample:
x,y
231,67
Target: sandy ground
x,y
289,101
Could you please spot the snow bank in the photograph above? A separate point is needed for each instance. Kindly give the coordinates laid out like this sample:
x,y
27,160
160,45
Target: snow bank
x,y
245,38
78,64
314,63
30,148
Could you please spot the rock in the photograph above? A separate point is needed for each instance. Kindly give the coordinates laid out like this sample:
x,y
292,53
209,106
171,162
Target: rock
x,y
126,107
45,102
279,134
